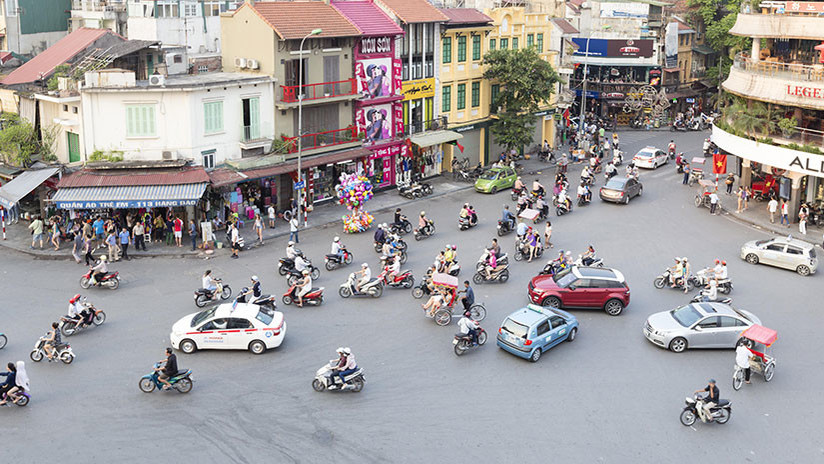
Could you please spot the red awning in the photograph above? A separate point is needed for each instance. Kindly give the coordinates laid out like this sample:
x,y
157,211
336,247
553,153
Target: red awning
x,y
760,334
5,56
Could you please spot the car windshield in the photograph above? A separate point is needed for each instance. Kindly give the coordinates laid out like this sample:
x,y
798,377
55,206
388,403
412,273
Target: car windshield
x,y
489,175
645,154
564,278
686,315
617,184
203,315
516,329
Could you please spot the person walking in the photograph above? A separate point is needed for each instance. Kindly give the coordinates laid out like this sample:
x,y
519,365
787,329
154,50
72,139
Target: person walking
x,y
77,248
111,243
139,232
293,229
730,181
125,238
193,233
713,202
259,228
235,236
36,227
785,213
547,234
772,207
746,198
686,173
55,234
802,219
88,246
740,197
178,229
272,215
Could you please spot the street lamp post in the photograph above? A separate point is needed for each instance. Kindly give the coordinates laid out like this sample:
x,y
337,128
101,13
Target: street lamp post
x,y
300,120
584,92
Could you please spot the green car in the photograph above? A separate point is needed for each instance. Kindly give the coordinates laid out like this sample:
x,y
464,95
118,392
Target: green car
x,y
495,179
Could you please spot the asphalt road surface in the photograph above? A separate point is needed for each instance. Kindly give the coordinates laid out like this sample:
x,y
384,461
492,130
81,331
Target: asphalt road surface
x,y
609,397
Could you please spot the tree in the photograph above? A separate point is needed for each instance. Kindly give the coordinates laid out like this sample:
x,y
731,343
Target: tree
x,y
526,81
18,142
719,17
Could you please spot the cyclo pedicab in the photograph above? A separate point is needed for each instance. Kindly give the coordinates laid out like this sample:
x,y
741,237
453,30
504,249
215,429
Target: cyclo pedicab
x,y
696,170
450,306
703,198
758,339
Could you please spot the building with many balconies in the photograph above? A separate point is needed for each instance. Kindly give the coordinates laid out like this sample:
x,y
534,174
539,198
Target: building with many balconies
x,y
99,14
779,143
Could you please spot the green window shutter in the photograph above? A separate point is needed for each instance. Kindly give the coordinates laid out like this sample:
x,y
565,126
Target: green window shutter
x,y
476,47
504,44
447,50
540,45
461,48
530,40
514,43
493,94
254,117
476,94
150,120
446,99
461,96
207,118
491,44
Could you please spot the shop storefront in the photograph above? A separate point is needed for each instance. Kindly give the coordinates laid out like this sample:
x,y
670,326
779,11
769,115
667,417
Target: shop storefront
x,y
428,151
27,192
474,142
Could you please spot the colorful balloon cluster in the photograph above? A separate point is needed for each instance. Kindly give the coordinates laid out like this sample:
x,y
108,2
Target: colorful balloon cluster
x,y
355,190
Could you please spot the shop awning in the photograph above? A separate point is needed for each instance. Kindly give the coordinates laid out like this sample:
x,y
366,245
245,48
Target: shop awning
x,y
703,49
428,139
23,184
672,70
129,196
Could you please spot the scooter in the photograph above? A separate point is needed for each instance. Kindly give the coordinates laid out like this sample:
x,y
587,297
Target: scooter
x,y
399,244
583,200
596,261
3,340
663,280
553,267
562,208
265,301
702,278
70,326
22,400
504,227
522,252
404,227
500,274
294,275
426,231
182,381
203,295
402,279
287,264
617,157
333,261
502,260
314,297
372,288
62,351
110,280
719,413
515,193
453,269
463,342
468,222
699,298
325,379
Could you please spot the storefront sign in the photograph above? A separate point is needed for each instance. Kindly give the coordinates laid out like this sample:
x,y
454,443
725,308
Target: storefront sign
x,y
802,91
614,95
419,88
613,47
767,154
590,93
126,204
400,149
804,7
806,162
375,45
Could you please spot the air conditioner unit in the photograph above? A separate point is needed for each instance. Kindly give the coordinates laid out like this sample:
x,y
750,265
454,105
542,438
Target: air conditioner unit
x,y
167,155
157,79
253,64
240,63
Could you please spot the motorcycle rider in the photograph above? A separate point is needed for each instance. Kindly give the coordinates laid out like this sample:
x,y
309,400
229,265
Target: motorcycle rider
x,y
337,248
303,287
676,272
468,326
542,206
520,231
589,256
523,202
53,339
100,270
422,221
464,211
519,186
615,140
708,402
254,291
610,170
349,365
380,234
563,198
20,384
473,217
301,264
686,264
537,188
469,295
76,309
365,275
721,272
393,267
706,145
291,252
399,218
583,192
632,171
10,382
508,217
671,147
710,293
168,370
491,264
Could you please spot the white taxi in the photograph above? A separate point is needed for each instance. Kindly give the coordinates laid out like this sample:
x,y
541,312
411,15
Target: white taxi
x,y
650,158
239,326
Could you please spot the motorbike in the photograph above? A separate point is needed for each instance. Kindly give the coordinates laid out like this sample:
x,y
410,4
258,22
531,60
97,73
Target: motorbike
x,y
663,280
426,231
505,227
671,152
333,261
3,340
617,157
182,381
695,124
702,278
70,326
325,379
679,165
23,398
314,297
698,298
468,222
404,227
609,175
453,269
399,244
265,301
294,275
62,351
562,208
583,200
678,125
696,175
720,413
500,274
522,251
400,253
596,261
110,280
463,342
515,193
403,279
287,264
240,242
503,260
373,288
203,295
553,267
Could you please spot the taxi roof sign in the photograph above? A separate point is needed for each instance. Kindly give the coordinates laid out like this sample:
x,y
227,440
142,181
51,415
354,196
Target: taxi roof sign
x,y
536,308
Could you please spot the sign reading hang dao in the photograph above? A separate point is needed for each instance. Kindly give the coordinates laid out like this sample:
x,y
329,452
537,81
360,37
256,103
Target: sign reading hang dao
x,y
373,45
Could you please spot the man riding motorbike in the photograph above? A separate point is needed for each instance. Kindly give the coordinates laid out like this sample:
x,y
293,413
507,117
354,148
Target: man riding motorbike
x,y
508,217
709,401
337,248
610,171
519,186
468,326
291,251
398,219
589,256
676,272
303,287
347,366
671,147
393,267
542,206
100,270
301,264
710,292
563,198
253,291
537,188
422,221
365,275
168,370
380,234
583,192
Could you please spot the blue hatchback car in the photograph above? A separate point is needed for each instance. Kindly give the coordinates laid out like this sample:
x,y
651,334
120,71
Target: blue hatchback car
x,y
530,331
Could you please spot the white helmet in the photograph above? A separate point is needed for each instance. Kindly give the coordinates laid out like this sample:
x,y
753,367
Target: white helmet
x,y
340,350
347,351
255,278
103,258
291,243
364,265
336,239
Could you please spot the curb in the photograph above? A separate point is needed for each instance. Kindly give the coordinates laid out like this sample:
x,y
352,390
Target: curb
x,y
760,227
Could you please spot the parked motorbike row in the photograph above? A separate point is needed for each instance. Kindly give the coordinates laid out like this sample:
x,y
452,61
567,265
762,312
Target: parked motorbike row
x,y
414,190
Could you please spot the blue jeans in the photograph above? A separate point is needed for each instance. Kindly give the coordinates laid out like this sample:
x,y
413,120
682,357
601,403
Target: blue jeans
x,y
343,374
474,334
293,236
784,218
194,242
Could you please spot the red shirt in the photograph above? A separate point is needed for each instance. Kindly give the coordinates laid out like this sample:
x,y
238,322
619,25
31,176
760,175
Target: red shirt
x,y
178,225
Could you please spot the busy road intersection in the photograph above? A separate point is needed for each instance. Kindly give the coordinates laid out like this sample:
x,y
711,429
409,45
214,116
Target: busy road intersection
x,y
608,396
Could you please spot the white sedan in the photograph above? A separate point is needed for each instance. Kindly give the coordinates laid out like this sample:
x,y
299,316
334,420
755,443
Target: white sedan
x,y
650,157
244,327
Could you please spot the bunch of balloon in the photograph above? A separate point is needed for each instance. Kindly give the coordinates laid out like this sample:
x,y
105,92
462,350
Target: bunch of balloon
x,y
353,192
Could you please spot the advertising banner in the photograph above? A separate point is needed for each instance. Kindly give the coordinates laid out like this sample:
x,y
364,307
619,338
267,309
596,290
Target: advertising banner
x,y
671,45
614,47
419,88
375,122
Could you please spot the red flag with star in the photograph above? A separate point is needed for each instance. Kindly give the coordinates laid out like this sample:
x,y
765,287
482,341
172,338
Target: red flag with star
x,y
719,164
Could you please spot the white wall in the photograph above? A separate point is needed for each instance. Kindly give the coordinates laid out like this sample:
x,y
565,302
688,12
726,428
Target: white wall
x,y
178,120
179,31
29,44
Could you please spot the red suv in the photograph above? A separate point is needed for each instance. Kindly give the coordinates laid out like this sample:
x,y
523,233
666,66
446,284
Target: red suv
x,y
582,287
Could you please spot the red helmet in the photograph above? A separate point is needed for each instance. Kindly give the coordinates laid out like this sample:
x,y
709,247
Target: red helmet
x,y
74,299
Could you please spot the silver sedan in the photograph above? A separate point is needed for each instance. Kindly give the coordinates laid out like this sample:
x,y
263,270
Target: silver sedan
x,y
698,325
789,253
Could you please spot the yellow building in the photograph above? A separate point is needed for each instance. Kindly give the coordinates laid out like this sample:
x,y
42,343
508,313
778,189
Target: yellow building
x,y
465,94
515,28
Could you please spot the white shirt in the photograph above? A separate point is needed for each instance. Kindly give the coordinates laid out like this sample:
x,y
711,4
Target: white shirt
x,y
723,273
367,274
207,281
712,293
784,209
300,263
395,267
290,252
717,270
271,212
713,198
234,234
773,205
335,247
581,190
293,225
74,309
466,324
742,356
562,197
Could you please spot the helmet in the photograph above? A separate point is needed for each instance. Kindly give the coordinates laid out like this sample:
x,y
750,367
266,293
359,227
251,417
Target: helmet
x,y
717,261
454,247
290,243
336,239
384,225
677,259
347,350
254,278
423,213
685,259
305,272
569,253
103,258
723,263
364,265
712,381
448,246
340,349
74,299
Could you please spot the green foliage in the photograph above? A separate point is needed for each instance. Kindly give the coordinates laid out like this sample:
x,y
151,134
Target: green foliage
x,y
18,142
281,146
788,126
804,148
719,17
526,81
60,71
113,156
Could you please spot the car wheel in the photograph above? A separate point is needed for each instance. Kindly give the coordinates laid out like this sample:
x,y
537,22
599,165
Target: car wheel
x,y
188,346
494,190
803,270
752,258
257,347
640,191
572,334
626,200
552,301
688,417
678,345
318,386
146,385
614,307
536,355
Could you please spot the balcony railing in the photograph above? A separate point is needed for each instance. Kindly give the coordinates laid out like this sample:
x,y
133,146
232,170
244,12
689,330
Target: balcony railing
x,y
323,139
97,5
796,72
291,93
416,127
798,135
250,133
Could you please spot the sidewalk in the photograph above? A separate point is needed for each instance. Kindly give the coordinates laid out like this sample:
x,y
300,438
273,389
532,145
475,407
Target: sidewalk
x,y
758,216
18,237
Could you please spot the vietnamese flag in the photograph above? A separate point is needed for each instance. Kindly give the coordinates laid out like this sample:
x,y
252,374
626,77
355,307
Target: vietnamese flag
x,y
460,147
719,164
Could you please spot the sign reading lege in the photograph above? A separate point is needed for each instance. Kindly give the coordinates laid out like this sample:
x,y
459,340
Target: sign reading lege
x,y
418,88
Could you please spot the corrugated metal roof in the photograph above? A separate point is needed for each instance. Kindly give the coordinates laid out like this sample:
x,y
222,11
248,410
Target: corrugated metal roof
x,y
465,16
43,64
295,20
116,178
565,26
23,184
368,18
428,139
80,197
414,11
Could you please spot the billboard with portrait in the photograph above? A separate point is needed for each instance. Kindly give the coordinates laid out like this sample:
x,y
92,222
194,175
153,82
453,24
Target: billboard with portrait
x,y
375,123
375,78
